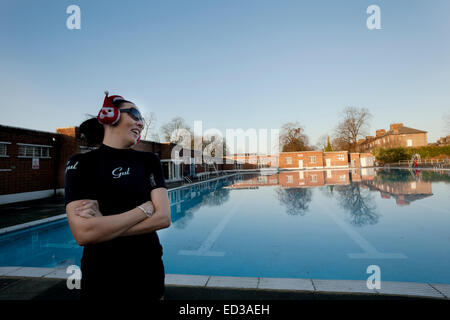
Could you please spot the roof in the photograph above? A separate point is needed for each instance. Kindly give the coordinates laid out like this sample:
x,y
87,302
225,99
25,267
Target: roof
x,y
400,130
405,130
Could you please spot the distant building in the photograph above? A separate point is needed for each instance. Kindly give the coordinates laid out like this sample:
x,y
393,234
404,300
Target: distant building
x,y
397,136
443,141
323,160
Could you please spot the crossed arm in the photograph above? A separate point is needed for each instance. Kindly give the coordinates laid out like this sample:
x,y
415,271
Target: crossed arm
x,y
88,225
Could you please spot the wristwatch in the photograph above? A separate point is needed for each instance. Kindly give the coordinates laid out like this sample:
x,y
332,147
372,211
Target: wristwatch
x,y
147,212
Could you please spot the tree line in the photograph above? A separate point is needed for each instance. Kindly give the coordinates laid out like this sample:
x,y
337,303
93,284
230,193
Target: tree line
x,y
353,125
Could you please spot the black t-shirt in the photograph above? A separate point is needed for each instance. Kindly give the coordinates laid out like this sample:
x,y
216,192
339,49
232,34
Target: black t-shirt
x,y
120,180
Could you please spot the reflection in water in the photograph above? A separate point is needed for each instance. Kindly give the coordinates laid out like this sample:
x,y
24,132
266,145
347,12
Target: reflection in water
x,y
360,205
184,202
346,186
405,186
296,200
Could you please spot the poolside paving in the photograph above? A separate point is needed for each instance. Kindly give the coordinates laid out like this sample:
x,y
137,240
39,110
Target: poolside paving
x,y
50,284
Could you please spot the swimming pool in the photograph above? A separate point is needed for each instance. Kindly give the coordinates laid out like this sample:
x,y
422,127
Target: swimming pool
x,y
329,224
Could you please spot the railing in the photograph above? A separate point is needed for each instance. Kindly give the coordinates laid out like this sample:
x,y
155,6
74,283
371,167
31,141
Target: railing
x,y
435,163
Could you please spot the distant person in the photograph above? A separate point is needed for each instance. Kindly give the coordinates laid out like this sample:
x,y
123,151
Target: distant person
x,y
415,163
116,198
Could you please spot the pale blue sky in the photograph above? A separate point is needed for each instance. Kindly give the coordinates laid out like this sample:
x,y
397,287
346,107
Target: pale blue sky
x,y
232,64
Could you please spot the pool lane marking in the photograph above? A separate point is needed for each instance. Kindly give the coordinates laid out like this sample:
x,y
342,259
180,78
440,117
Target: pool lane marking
x,y
206,246
432,208
370,251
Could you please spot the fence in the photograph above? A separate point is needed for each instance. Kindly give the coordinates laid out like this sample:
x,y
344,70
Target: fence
x,y
428,163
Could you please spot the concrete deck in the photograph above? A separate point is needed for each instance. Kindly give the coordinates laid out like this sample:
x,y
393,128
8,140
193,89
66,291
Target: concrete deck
x,y
22,283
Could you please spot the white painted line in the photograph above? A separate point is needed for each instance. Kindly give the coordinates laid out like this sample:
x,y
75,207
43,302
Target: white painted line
x,y
206,246
370,251
432,208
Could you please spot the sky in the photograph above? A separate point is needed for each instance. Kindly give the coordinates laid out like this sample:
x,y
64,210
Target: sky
x,y
230,64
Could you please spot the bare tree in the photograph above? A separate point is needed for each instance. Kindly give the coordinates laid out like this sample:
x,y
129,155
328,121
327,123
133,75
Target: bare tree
x,y
293,138
149,124
338,144
354,124
174,126
322,142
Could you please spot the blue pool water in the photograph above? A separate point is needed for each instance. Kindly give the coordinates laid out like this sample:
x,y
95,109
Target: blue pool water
x,y
329,224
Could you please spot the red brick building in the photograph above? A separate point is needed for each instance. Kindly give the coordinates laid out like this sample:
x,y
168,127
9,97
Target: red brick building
x,y
29,162
397,136
301,160
336,159
32,163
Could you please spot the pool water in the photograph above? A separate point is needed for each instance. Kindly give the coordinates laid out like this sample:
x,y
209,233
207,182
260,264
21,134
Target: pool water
x,y
329,224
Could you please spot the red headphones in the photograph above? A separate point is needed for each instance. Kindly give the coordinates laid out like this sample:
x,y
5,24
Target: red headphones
x,y
109,113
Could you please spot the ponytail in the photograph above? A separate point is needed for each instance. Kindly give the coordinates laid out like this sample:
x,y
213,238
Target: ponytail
x,y
92,132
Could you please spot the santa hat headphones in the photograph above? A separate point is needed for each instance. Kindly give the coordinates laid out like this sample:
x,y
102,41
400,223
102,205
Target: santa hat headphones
x,y
109,113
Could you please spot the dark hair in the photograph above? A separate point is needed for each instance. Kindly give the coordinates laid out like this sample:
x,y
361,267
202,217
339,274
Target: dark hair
x,y
92,132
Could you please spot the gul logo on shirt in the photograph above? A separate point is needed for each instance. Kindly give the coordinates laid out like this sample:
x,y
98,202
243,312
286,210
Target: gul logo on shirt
x,y
119,172
72,167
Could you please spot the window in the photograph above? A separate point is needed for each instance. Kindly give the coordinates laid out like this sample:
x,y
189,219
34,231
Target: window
x,y
341,157
314,178
312,159
33,151
409,143
290,179
288,160
4,149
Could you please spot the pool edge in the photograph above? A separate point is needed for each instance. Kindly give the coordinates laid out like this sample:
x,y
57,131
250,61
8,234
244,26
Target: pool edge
x,y
264,285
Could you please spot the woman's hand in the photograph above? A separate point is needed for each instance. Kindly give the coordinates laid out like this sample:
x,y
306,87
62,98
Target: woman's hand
x,y
88,209
148,206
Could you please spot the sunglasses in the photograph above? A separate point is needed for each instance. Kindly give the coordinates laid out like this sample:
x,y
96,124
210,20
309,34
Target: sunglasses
x,y
134,114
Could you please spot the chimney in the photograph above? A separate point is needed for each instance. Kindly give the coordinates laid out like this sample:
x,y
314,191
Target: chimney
x,y
395,126
380,133
69,131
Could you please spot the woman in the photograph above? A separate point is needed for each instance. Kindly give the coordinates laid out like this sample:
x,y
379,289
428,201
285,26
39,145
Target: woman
x,y
116,198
